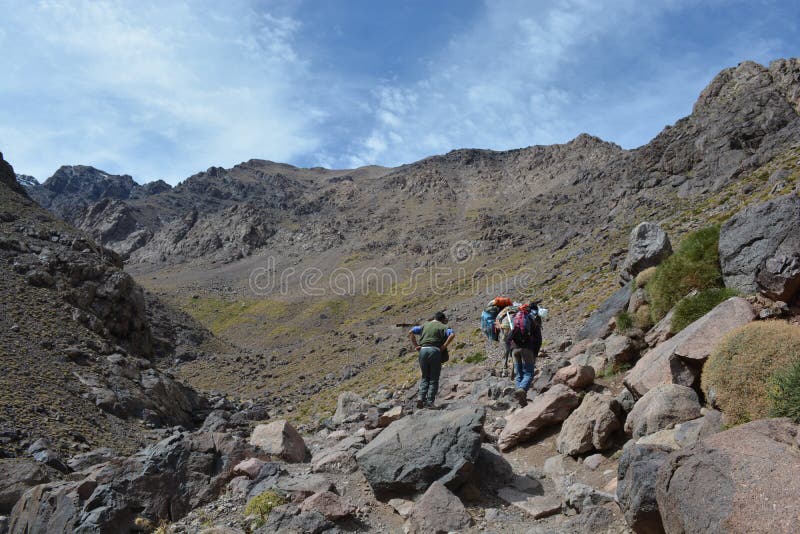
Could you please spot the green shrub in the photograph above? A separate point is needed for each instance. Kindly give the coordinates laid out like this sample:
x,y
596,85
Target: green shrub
x,y
695,265
475,358
261,505
784,392
642,319
624,321
645,276
691,308
738,374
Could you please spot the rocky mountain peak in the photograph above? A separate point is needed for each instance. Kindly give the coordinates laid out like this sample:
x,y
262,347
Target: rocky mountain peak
x,y
27,181
7,175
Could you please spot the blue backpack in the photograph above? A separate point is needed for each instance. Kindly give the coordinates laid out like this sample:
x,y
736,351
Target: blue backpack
x,y
487,323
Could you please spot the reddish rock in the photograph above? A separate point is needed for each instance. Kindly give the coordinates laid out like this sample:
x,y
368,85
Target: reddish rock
x,y
328,504
439,511
549,408
575,376
249,467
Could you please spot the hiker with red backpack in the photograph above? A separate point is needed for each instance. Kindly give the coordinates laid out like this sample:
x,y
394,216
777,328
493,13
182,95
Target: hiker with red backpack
x,y
523,342
434,338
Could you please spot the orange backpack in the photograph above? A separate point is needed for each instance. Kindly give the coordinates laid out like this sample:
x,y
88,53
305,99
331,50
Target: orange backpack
x,y
501,302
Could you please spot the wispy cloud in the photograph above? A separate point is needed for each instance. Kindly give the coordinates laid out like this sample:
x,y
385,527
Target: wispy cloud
x,y
155,89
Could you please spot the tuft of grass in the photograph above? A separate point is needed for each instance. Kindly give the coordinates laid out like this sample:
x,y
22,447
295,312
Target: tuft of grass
x,y
784,392
695,265
624,321
691,308
738,374
476,357
645,276
261,505
642,318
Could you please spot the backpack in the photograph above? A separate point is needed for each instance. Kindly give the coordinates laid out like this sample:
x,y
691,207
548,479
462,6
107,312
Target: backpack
x,y
522,329
487,323
501,302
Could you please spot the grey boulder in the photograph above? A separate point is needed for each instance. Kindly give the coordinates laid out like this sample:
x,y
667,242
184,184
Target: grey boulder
x,y
591,426
662,407
636,487
647,247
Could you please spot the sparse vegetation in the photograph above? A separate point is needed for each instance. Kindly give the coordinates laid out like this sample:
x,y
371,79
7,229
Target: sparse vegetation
x,y
739,373
784,392
695,265
692,307
476,357
645,276
261,505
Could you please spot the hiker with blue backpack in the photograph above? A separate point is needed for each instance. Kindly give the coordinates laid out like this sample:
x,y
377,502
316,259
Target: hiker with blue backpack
x,y
434,339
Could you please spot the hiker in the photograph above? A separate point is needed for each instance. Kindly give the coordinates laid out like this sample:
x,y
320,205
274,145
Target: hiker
x,y
434,338
524,341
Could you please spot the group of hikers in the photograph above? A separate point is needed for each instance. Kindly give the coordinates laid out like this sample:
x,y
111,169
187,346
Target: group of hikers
x,y
519,324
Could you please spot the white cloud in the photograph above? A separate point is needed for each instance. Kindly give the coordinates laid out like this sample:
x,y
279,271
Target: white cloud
x,y
154,89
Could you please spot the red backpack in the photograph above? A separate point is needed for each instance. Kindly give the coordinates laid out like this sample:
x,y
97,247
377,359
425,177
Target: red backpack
x,y
523,328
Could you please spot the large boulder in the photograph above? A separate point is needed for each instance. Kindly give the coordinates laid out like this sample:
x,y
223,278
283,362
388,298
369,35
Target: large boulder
x,y
598,323
636,487
759,248
591,426
575,376
745,479
17,475
648,246
349,404
281,439
679,359
163,481
547,409
662,407
438,511
413,452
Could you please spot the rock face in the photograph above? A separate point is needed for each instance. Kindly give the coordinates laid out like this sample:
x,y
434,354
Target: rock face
x,y
662,407
648,246
745,479
17,475
163,481
412,453
679,359
636,487
591,426
549,408
281,439
759,248
597,325
438,511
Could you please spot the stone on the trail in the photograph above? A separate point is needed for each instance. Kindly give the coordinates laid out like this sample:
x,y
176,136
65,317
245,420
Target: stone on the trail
x,y
549,408
636,486
579,496
648,246
439,511
347,405
328,504
402,506
662,407
745,479
546,373
678,360
620,349
250,467
280,439
575,376
597,326
593,461
17,475
591,426
390,416
760,246
538,506
417,450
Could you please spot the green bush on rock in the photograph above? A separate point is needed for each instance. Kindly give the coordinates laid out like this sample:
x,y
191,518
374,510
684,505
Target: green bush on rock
x,y
738,375
261,505
695,265
691,308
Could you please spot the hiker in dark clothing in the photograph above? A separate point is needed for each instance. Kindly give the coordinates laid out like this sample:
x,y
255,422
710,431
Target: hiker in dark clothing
x,y
434,339
524,347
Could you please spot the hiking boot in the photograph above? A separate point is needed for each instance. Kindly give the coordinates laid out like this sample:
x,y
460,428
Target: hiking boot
x,y
521,396
420,404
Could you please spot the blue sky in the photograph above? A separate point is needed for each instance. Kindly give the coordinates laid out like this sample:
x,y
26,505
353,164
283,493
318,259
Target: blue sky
x,y
161,89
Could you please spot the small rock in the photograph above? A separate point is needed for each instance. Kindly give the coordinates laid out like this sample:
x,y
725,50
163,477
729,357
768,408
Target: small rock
x,y
281,439
438,510
328,504
575,376
593,461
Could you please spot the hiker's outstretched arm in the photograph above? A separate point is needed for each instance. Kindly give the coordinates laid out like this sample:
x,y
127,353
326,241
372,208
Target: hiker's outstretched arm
x,y
413,339
448,340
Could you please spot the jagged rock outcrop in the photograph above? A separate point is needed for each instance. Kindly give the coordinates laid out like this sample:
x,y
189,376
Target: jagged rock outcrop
x,y
759,248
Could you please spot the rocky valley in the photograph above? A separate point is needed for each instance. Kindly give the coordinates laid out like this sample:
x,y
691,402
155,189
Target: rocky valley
x,y
224,355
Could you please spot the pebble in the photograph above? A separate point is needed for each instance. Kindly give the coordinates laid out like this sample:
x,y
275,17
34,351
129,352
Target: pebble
x,y
15,328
